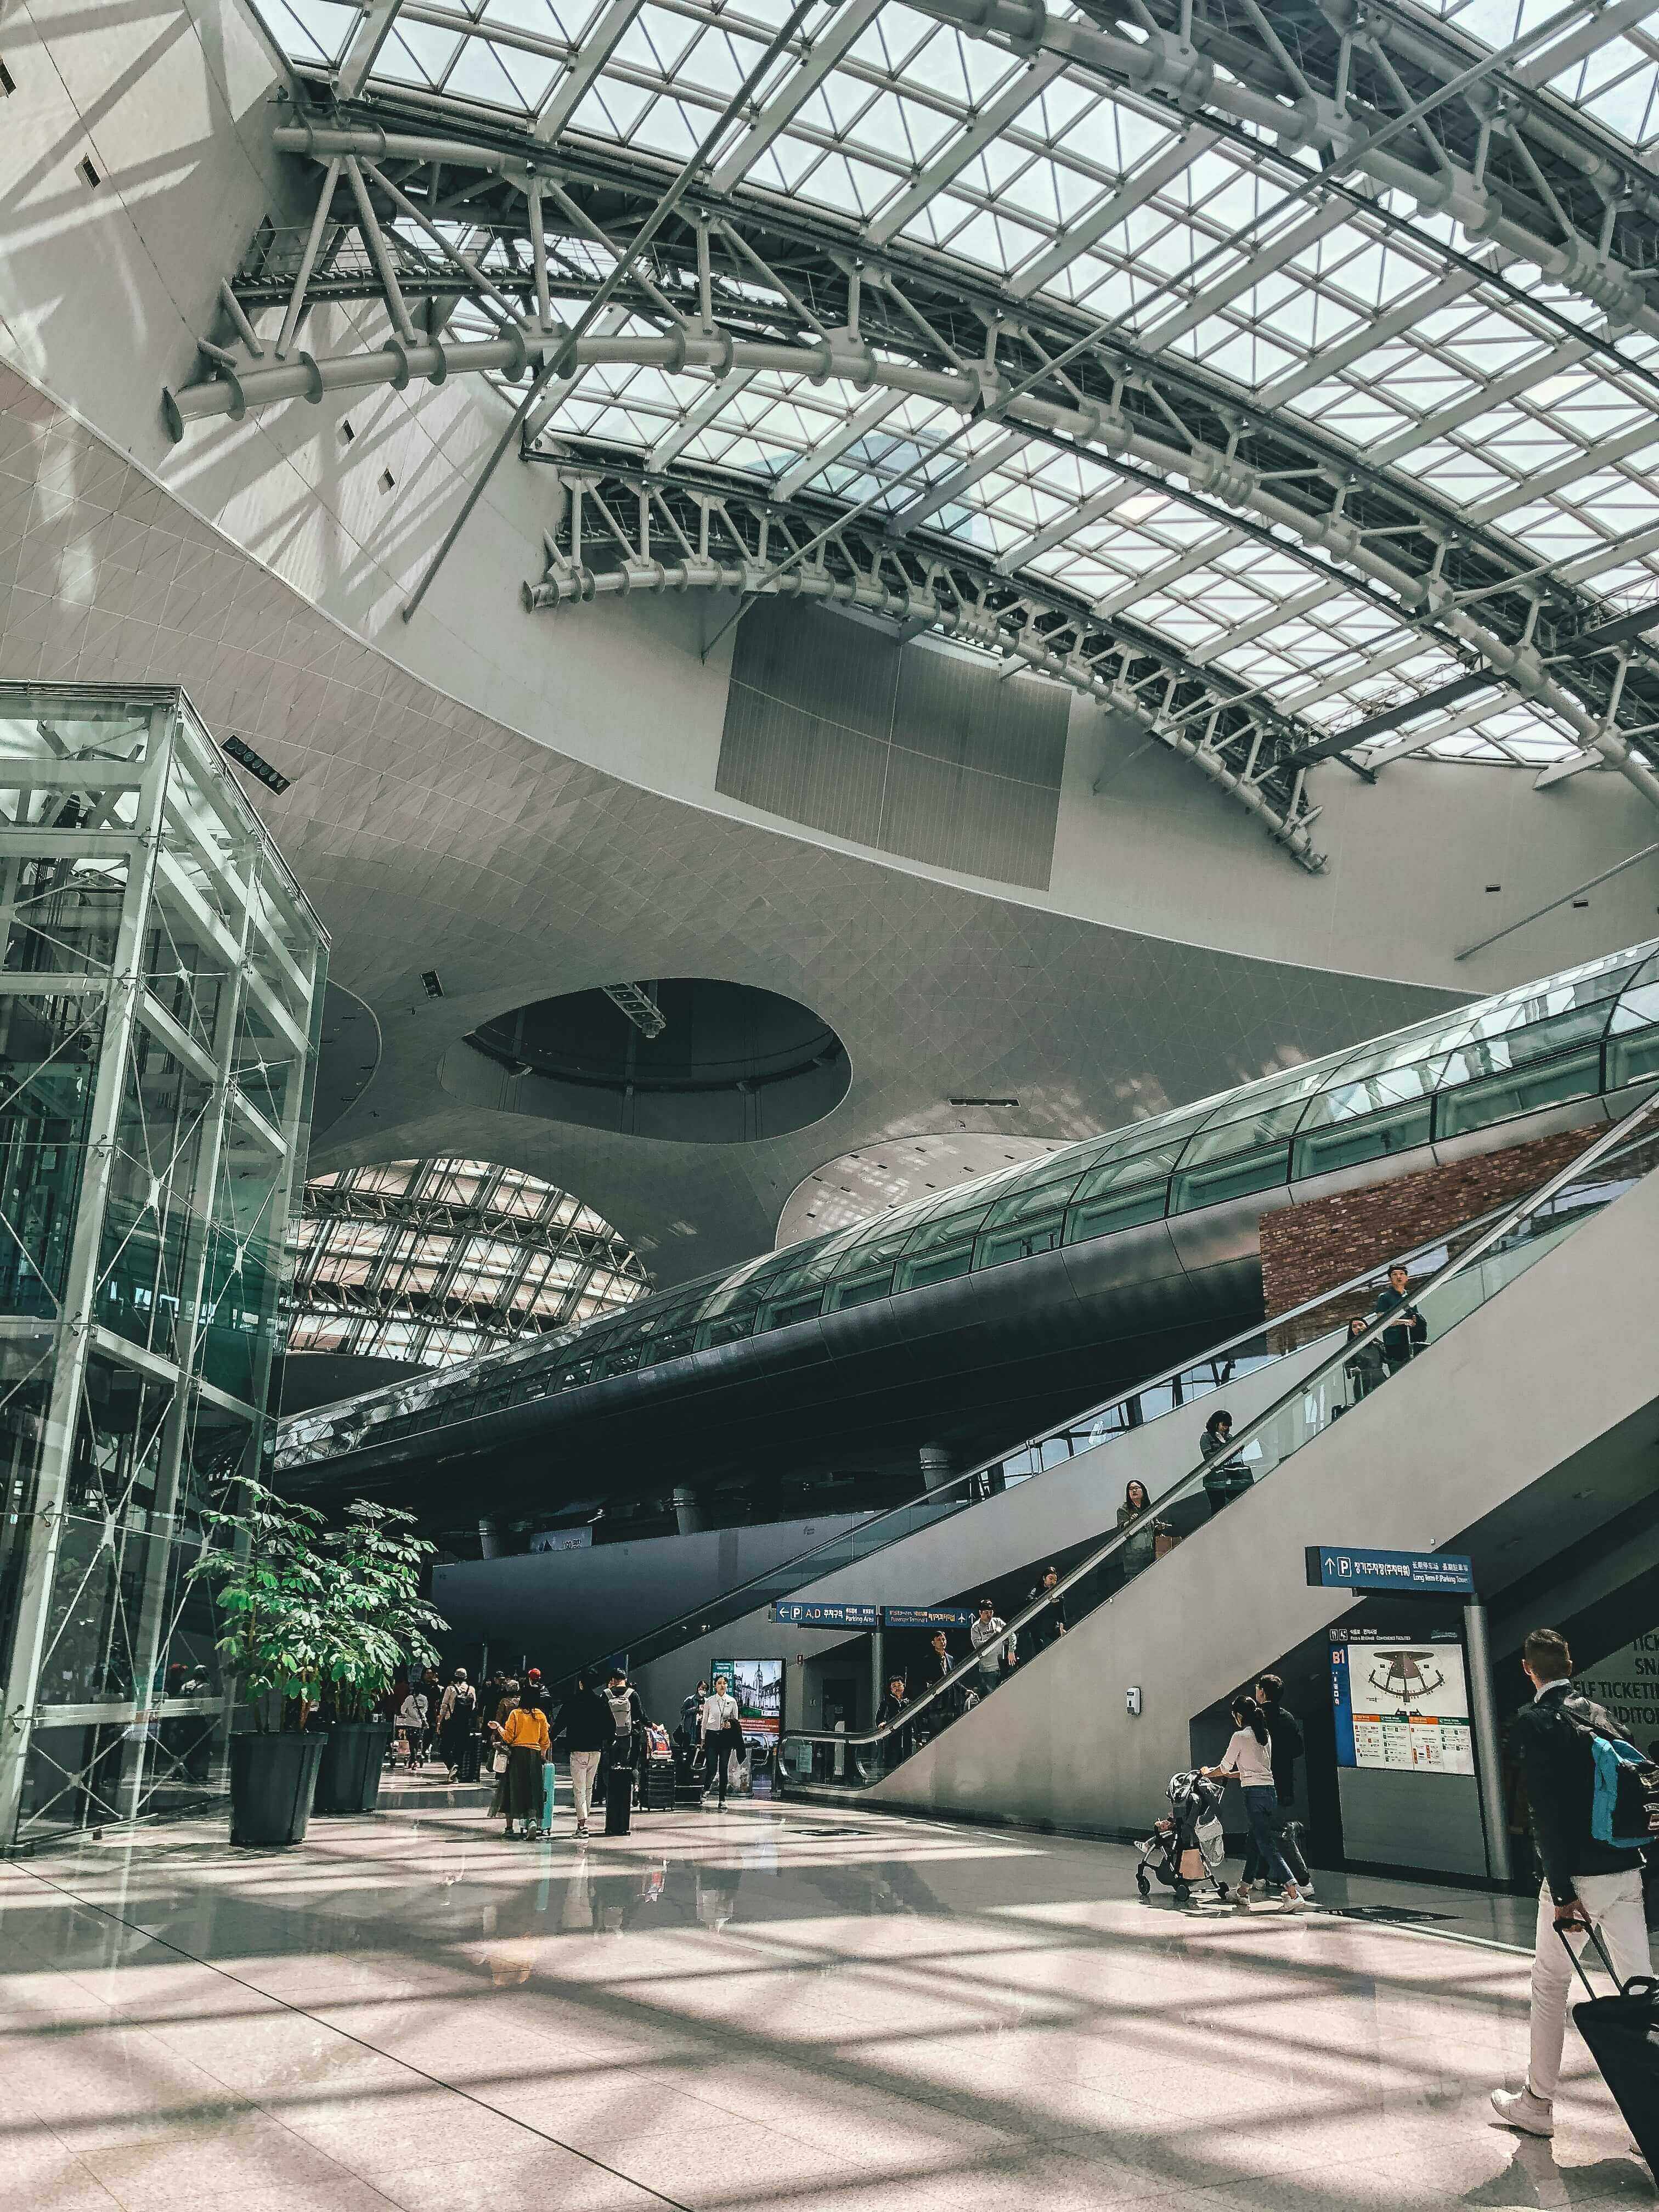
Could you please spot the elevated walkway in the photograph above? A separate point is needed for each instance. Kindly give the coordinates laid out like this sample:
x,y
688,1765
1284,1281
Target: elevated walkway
x,y
1528,1425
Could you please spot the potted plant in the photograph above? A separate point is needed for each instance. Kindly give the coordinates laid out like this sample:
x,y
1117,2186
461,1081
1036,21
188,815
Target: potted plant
x,y
266,1575
374,1620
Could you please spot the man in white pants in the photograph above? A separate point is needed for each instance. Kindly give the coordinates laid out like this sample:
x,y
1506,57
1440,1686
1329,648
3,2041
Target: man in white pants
x,y
1586,1883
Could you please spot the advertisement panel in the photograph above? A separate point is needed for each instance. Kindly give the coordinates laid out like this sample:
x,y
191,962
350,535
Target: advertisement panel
x,y
1401,1703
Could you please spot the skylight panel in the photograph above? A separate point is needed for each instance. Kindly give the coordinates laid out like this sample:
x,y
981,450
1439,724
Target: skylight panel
x,y
1628,106
480,73
420,54
612,109
1245,355
316,30
994,241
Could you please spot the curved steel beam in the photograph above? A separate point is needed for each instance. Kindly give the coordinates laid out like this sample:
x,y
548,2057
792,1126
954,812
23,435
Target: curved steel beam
x,y
1096,428
1238,744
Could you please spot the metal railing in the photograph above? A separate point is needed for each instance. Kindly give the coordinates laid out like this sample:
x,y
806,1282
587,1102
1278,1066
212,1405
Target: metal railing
x,y
1525,1231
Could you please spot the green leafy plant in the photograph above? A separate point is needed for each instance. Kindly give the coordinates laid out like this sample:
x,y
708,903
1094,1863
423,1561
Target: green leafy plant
x,y
259,1558
377,1619
307,1612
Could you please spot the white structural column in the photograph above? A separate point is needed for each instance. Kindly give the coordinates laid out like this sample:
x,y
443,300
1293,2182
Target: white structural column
x,y
1480,400
1287,610
1142,588
719,396
374,28
1369,335
1259,261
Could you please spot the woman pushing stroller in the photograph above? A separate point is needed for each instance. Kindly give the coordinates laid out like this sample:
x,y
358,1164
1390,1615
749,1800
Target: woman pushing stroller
x,y
1248,1761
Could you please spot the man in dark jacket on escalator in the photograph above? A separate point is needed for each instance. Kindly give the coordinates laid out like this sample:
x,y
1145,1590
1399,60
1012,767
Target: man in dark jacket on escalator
x,y
1403,1339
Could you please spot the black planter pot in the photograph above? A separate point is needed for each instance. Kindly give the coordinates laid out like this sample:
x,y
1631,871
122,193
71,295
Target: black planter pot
x,y
349,1779
271,1781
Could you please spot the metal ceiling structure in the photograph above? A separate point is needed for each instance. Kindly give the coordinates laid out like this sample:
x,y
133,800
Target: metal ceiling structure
x,y
440,1260
1290,383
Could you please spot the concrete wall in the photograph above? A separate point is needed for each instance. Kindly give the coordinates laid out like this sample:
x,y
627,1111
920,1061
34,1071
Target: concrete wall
x,y
562,1607
1564,1355
102,294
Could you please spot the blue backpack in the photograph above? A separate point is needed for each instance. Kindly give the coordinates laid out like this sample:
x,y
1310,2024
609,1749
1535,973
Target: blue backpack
x,y
1624,1808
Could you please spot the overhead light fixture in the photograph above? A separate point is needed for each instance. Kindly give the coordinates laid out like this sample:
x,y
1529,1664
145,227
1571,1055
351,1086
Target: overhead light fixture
x,y
255,763
637,1001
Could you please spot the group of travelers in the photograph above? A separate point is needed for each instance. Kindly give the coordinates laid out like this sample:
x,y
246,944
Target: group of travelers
x,y
599,1730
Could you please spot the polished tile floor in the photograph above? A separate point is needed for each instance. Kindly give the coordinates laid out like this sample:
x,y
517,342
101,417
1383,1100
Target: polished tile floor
x,y
764,2009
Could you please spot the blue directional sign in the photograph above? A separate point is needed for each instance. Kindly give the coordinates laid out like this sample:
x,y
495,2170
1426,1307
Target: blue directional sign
x,y
929,1617
1356,1567
795,1612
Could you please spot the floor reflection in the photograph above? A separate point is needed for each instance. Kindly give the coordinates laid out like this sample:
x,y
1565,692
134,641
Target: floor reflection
x,y
764,2009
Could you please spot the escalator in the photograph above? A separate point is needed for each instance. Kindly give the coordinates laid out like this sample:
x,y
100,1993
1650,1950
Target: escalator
x,y
1045,1501
1525,1427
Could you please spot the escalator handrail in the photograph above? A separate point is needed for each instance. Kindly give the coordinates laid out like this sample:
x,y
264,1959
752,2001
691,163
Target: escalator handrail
x,y
758,1584
1509,1218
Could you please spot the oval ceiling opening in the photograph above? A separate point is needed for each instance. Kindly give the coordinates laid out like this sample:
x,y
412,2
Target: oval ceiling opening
x,y
683,1059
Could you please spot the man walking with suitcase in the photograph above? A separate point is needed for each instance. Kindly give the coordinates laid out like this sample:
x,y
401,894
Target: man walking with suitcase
x,y
1588,1884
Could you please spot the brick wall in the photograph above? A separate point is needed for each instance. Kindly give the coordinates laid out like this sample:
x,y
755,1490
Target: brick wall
x,y
1307,1249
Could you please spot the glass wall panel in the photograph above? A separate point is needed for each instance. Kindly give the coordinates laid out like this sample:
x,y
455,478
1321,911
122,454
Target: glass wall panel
x,y
144,1208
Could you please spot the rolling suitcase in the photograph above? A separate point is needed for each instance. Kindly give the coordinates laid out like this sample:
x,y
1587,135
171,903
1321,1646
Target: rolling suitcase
x,y
657,1776
618,1799
1622,2032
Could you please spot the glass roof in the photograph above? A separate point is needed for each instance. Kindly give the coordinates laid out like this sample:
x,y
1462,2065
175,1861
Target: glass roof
x,y
437,1261
1392,337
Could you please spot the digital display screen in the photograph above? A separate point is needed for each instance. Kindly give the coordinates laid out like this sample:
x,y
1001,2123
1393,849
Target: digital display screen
x,y
1401,1703
758,1686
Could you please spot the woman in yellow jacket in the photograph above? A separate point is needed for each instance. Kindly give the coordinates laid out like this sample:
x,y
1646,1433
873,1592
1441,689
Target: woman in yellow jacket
x,y
525,1734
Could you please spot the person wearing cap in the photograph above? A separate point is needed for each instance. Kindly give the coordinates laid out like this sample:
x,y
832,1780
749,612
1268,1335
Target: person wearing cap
x,y
994,1658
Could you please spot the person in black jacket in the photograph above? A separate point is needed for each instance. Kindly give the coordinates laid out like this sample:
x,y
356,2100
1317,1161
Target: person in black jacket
x,y
585,1730
1049,1625
1285,1745
936,1669
893,1708
1586,1883
1406,1337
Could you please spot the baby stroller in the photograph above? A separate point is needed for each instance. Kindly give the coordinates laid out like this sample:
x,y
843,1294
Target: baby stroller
x,y
1185,1847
